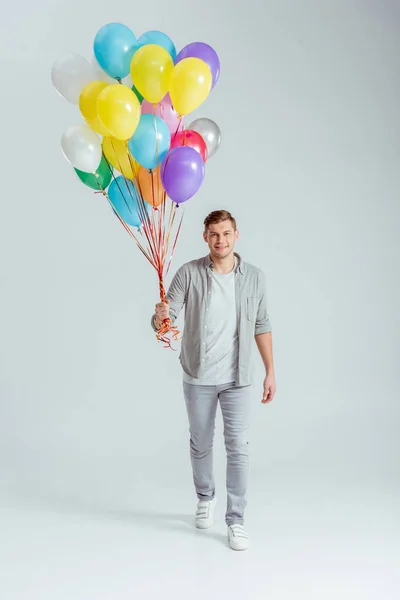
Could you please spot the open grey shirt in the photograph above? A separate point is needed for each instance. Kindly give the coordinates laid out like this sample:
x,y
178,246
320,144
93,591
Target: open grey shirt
x,y
191,287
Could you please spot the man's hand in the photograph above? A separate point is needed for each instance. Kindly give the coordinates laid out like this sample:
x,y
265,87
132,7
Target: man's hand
x,y
269,388
162,313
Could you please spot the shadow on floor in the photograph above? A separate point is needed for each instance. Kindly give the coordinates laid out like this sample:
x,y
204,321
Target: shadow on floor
x,y
149,519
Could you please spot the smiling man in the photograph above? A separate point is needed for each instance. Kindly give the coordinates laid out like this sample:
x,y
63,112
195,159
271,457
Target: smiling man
x,y
225,309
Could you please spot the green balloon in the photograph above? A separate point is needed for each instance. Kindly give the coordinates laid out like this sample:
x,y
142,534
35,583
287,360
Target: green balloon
x,y
99,182
138,94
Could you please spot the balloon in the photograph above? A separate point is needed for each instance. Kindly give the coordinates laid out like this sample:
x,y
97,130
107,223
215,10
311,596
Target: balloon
x,y
150,186
151,141
137,94
160,39
69,75
114,46
118,155
182,173
98,180
190,84
123,195
192,139
118,110
205,53
151,69
165,110
88,105
210,132
81,147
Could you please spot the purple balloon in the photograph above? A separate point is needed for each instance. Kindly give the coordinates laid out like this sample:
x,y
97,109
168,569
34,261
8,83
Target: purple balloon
x,y
205,53
182,173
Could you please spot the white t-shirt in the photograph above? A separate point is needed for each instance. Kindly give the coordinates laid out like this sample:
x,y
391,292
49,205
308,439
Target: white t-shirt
x,y
222,343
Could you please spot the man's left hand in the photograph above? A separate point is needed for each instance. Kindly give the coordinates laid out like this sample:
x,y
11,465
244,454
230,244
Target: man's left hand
x,y
269,388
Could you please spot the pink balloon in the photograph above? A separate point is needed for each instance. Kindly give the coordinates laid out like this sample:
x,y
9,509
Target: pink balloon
x,y
165,110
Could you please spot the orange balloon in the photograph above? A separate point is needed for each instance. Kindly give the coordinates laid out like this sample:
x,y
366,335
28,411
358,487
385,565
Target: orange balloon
x,y
150,186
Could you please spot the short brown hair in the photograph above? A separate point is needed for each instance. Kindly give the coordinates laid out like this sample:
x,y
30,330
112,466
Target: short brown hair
x,y
217,216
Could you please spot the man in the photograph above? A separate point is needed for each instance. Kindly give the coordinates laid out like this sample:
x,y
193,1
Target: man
x,y
225,307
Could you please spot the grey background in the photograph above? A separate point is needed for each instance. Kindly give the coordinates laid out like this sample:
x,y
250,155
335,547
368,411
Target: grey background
x,y
92,420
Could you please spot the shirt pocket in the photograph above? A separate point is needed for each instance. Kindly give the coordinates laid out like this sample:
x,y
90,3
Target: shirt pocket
x,y
252,309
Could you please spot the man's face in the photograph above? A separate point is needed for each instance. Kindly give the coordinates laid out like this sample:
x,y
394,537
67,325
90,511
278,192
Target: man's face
x,y
221,239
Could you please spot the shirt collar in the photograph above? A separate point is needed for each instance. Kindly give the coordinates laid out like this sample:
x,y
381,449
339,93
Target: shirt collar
x,y
208,263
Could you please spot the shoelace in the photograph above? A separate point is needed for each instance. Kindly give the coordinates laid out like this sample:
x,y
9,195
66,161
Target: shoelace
x,y
238,531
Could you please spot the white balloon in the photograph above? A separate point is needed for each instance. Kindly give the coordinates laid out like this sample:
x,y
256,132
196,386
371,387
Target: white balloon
x,y
82,147
69,75
98,72
210,132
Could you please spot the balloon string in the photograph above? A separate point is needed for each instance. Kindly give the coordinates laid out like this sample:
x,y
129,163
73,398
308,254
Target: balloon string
x,y
177,129
174,246
158,229
142,208
155,230
126,227
166,327
121,171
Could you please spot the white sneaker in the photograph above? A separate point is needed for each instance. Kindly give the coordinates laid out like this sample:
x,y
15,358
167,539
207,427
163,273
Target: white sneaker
x,y
204,517
238,538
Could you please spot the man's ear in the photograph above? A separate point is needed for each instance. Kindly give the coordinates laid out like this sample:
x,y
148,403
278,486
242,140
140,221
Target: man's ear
x,y
204,236
236,234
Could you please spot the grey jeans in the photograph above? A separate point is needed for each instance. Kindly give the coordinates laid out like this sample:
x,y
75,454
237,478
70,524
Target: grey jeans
x,y
201,404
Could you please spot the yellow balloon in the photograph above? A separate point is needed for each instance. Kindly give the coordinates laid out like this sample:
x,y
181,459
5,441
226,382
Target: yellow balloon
x,y
190,85
88,105
118,155
151,69
119,111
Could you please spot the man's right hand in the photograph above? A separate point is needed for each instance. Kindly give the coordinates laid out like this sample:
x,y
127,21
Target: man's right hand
x,y
162,313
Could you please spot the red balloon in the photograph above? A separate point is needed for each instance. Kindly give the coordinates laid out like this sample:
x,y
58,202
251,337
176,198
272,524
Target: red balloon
x,y
193,140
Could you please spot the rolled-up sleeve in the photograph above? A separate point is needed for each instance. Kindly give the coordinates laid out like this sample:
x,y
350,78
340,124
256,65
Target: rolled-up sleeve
x,y
263,322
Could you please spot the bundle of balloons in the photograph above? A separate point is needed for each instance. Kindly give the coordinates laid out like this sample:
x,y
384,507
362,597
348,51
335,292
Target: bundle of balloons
x,y
133,145
134,97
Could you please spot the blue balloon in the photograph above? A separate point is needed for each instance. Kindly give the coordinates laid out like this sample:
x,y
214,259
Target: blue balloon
x,y
114,46
124,197
150,143
159,38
